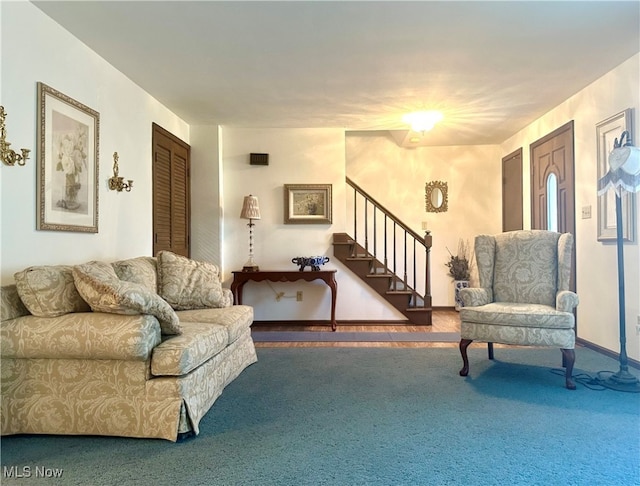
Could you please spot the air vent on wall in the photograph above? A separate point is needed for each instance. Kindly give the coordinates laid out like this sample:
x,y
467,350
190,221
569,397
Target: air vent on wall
x,y
259,159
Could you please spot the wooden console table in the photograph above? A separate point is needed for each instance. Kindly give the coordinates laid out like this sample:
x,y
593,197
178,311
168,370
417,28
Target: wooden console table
x,y
328,276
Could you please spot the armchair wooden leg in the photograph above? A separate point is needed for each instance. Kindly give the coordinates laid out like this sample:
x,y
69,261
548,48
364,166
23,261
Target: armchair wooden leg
x,y
464,344
490,349
568,359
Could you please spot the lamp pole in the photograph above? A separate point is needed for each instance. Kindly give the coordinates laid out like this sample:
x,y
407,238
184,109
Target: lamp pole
x,y
624,178
622,380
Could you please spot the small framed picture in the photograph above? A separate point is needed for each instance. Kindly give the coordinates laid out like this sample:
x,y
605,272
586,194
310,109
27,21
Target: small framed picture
x,y
67,173
607,131
307,203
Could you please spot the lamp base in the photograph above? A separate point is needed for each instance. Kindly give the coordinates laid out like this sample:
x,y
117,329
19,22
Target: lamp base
x,y
620,381
250,268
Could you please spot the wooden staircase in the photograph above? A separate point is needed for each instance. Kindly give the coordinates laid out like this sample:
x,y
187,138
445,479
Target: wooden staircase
x,y
395,290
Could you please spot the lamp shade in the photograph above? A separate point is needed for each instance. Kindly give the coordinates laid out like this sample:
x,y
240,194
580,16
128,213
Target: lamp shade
x,y
250,208
624,168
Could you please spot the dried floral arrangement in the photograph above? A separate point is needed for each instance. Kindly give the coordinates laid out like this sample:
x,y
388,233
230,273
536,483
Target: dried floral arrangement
x,y
460,263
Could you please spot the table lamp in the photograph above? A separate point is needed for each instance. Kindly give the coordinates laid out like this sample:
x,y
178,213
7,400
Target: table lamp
x,y
250,211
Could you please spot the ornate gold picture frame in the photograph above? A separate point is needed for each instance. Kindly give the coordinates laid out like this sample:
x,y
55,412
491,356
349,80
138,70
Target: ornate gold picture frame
x,y
436,197
67,173
307,204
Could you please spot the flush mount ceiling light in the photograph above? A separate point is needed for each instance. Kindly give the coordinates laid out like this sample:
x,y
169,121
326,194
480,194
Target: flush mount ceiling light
x,y
422,121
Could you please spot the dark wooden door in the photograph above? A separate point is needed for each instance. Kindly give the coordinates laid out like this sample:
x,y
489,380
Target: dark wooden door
x,y
512,191
171,193
552,184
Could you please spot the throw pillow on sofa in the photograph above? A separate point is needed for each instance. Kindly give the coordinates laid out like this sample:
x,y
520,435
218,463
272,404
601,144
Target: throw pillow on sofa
x,y
99,285
49,291
188,284
141,270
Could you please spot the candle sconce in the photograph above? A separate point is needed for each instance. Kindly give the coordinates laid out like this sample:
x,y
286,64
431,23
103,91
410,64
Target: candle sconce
x,y
9,156
116,183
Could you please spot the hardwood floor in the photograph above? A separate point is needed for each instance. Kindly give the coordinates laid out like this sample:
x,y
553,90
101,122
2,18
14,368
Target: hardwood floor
x,y
443,321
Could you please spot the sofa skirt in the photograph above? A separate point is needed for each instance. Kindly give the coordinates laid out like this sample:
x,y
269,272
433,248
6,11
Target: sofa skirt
x,y
37,398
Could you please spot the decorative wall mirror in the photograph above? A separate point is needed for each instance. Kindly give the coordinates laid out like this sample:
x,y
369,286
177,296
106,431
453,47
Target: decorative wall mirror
x,y
436,197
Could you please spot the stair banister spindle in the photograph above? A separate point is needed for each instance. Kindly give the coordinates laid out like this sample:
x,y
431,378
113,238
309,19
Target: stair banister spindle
x,y
415,254
366,224
385,245
375,232
405,260
355,219
395,255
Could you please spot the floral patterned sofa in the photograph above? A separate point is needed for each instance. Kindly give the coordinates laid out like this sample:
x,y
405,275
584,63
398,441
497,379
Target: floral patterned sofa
x,y
138,348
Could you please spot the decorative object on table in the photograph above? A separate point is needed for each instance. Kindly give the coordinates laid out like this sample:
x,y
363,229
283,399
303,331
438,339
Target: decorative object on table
x,y
460,270
250,211
436,197
116,183
8,155
68,135
606,133
307,204
623,175
312,262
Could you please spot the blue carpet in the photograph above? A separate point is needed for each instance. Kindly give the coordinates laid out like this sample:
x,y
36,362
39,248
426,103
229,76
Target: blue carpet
x,y
339,336
376,416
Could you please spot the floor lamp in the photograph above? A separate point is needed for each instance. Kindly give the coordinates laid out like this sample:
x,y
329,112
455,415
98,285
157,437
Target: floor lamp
x,y
623,175
250,211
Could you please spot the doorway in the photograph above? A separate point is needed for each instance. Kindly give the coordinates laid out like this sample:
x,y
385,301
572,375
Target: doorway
x,y
553,185
171,194
512,191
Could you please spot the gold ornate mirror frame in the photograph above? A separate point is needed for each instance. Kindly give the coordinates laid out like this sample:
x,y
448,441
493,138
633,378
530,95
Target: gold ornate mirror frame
x,y
436,197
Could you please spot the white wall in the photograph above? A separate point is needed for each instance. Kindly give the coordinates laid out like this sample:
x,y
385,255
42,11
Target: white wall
x,y
596,265
296,156
396,177
206,194
34,48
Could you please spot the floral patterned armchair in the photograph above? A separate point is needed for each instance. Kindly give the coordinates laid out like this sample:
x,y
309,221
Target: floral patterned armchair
x,y
523,296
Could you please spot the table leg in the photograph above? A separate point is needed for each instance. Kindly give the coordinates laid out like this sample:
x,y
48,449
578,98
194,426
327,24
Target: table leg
x,y
333,285
236,289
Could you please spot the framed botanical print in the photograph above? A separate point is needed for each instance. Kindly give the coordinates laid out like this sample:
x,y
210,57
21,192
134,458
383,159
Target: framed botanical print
x,y
67,172
607,131
307,204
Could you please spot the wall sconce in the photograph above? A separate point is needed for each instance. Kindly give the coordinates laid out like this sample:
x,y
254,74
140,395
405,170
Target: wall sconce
x,y
116,183
9,156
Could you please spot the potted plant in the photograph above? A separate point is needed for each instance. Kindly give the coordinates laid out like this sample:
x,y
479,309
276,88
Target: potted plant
x,y
460,269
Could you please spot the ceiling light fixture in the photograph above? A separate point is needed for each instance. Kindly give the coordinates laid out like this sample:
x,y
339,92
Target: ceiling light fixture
x,y
422,121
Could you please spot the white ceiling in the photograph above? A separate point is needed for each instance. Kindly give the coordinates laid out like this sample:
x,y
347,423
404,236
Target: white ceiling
x,y
490,67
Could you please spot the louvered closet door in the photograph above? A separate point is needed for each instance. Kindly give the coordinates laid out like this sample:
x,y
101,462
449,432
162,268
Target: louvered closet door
x,y
171,195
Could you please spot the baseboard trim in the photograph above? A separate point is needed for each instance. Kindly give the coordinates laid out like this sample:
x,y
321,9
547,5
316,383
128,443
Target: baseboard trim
x,y
607,352
348,322
328,323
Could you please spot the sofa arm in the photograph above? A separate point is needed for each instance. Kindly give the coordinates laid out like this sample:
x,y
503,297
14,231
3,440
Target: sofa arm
x,y
475,296
227,298
566,300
